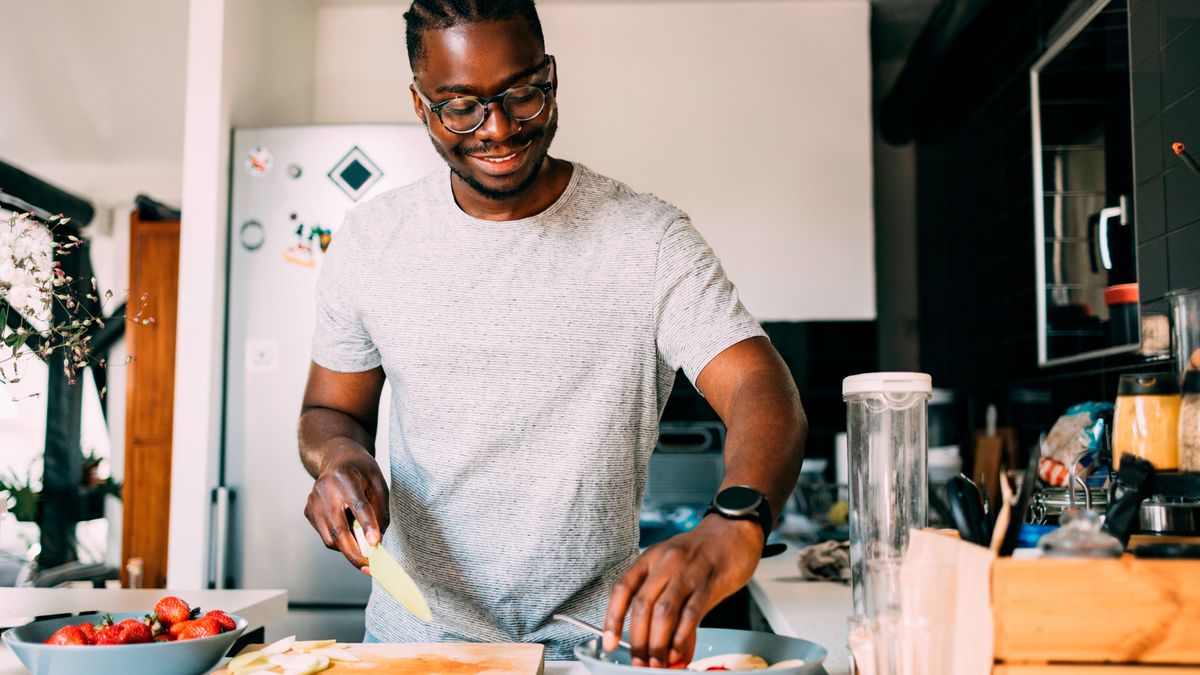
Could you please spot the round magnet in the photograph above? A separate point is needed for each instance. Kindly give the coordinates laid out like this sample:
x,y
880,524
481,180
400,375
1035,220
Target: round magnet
x,y
253,235
259,162
294,170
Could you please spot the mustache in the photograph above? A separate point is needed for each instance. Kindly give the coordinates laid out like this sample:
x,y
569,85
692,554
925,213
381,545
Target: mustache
x,y
511,144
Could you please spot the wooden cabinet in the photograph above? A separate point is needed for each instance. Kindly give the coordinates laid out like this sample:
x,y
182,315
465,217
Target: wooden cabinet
x,y
150,395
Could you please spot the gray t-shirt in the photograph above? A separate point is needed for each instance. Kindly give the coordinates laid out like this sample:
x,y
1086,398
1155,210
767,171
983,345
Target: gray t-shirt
x,y
529,363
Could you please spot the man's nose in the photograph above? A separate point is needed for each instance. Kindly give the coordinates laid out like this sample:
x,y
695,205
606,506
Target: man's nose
x,y
497,125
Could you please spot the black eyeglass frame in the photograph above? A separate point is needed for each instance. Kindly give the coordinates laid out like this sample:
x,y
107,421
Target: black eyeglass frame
x,y
486,101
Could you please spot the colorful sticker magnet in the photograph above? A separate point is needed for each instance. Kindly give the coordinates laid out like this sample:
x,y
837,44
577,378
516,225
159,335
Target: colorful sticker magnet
x,y
259,162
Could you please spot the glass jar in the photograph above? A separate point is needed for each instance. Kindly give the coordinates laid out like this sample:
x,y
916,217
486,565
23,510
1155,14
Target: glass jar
x,y
1185,327
886,420
1189,423
1146,421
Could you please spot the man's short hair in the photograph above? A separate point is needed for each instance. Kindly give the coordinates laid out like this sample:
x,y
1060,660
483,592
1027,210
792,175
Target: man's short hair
x,y
441,14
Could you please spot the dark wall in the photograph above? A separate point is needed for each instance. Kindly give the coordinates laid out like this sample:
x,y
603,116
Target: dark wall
x,y
819,354
975,212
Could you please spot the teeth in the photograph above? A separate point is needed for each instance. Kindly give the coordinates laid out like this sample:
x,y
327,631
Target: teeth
x,y
499,159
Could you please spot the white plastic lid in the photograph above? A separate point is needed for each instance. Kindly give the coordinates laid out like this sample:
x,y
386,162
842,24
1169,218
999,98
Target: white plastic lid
x,y
870,383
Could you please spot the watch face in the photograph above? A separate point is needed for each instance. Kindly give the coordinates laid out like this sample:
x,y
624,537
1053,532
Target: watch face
x,y
738,499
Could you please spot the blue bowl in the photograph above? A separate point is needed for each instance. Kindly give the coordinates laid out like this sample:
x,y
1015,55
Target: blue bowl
x,y
182,657
712,642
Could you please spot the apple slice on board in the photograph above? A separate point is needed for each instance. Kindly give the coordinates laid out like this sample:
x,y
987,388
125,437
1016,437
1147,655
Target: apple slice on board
x,y
393,578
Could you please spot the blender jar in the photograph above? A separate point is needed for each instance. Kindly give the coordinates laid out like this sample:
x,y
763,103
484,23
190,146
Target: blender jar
x,y
886,422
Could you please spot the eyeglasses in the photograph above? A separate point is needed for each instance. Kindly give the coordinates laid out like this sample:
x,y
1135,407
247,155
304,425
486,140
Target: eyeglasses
x,y
465,114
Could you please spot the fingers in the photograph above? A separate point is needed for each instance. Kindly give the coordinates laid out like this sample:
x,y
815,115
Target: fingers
x,y
642,614
683,644
664,617
342,494
618,603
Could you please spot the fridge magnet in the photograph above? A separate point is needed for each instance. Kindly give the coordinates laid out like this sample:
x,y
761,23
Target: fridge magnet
x,y
300,253
295,171
355,173
323,237
252,235
259,162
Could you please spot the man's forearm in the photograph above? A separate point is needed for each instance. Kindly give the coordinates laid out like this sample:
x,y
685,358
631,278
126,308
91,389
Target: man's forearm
x,y
764,446
324,429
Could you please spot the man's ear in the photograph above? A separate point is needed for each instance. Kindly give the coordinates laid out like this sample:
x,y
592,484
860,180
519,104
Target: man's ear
x,y
418,105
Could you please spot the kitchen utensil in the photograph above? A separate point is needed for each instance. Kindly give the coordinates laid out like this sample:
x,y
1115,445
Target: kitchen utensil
x,y
182,657
392,577
711,642
1160,515
1002,515
459,658
1025,494
587,626
966,507
889,485
1134,483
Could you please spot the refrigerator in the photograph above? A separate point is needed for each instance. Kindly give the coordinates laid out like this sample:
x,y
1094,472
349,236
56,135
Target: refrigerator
x,y
290,189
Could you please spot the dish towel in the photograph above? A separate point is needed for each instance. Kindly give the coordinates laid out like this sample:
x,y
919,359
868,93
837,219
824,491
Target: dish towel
x,y
827,561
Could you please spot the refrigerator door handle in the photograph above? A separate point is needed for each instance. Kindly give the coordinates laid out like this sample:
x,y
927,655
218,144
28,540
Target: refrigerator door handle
x,y
220,531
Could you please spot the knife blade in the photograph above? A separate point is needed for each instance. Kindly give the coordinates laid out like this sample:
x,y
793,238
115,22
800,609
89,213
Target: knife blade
x,y
392,577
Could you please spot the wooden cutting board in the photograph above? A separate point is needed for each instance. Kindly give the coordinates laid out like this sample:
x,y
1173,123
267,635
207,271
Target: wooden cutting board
x,y
448,658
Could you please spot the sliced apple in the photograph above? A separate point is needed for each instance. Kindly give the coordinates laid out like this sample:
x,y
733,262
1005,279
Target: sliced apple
x,y
336,654
241,661
789,663
301,664
310,645
279,646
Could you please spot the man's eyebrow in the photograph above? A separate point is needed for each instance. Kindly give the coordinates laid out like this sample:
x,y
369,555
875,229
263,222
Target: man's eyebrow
x,y
508,82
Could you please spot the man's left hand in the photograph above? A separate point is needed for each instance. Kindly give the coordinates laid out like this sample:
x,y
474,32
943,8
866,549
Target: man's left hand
x,y
674,584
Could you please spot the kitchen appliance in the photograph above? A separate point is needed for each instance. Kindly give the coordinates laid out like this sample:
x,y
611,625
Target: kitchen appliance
x,y
685,471
886,424
290,190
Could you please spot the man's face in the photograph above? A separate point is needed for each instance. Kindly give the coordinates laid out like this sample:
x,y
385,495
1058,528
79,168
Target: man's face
x,y
500,159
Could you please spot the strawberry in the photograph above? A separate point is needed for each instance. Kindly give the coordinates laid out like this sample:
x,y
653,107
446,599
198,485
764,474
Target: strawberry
x,y
89,629
200,628
165,637
128,632
69,635
223,620
171,610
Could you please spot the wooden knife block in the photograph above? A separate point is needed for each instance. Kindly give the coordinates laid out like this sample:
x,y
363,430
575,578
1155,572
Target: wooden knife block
x,y
1125,611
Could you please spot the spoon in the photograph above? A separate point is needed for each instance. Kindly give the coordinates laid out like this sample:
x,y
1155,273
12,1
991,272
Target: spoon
x,y
588,627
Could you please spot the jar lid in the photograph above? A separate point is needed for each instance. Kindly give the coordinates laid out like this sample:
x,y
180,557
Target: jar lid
x,y
1121,294
1148,384
869,383
1191,382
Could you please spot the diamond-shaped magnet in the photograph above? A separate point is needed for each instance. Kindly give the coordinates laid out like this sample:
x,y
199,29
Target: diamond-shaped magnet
x,y
355,173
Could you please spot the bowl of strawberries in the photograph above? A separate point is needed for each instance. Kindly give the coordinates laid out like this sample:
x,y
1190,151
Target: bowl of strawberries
x,y
173,639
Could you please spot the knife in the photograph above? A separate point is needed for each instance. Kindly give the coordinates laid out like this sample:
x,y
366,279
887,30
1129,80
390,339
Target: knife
x,y
392,577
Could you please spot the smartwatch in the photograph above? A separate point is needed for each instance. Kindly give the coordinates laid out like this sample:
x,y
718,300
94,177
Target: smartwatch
x,y
742,502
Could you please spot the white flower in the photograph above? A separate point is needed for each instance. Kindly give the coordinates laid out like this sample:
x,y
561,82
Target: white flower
x,y
7,270
24,296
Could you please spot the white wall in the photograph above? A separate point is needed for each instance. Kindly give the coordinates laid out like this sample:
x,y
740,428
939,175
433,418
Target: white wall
x,y
787,206
249,64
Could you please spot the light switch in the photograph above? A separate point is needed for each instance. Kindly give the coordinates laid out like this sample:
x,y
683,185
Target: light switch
x,y
262,355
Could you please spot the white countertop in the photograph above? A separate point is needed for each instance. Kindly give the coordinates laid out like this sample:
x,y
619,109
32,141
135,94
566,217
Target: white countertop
x,y
258,607
812,610
816,611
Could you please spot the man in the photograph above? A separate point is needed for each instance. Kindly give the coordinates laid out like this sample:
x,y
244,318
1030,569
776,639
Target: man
x,y
530,315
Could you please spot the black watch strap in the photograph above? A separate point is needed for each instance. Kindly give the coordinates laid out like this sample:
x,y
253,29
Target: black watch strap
x,y
761,515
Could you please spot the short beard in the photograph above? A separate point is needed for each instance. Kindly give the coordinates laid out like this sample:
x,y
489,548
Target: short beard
x,y
521,188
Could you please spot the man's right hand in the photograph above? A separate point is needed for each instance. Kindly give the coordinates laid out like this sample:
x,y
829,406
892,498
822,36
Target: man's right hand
x,y
349,487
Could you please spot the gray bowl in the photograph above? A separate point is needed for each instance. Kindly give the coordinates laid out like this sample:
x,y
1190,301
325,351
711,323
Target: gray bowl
x,y
183,657
711,642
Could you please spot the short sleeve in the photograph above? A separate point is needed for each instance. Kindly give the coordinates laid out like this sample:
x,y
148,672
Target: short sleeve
x,y
699,313
340,339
